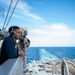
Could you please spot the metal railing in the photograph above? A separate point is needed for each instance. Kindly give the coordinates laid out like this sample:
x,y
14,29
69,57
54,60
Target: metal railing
x,y
64,68
12,67
67,67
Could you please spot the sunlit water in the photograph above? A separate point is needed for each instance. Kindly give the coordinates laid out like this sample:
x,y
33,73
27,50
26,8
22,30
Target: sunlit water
x,y
49,53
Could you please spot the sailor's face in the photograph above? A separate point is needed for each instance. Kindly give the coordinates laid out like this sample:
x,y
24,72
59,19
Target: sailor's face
x,y
18,33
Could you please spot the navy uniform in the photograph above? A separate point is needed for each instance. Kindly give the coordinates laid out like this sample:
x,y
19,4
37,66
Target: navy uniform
x,y
8,50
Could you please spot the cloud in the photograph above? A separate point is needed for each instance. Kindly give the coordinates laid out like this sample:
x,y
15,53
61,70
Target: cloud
x,y
52,35
23,10
26,10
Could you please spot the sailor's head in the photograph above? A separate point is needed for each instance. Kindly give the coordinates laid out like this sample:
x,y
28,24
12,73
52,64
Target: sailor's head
x,y
14,31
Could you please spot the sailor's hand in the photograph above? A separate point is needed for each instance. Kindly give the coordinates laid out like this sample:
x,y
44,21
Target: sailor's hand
x,y
21,54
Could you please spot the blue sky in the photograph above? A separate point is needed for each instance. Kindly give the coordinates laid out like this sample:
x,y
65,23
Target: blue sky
x,y
49,22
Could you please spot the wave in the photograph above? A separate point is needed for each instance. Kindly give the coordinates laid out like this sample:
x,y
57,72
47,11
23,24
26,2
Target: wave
x,y
44,54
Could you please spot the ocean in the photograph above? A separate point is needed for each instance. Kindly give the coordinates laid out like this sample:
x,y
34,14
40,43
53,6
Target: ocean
x,y
49,53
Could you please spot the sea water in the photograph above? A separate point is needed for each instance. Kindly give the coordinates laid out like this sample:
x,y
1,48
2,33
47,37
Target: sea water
x,y
49,53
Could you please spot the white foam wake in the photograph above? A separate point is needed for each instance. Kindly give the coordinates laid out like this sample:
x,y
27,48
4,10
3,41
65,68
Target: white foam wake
x,y
44,54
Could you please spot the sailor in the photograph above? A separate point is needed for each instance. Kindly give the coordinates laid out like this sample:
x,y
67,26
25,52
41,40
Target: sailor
x,y
9,50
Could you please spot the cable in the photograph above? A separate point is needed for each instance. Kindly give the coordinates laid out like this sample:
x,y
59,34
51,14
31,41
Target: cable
x,y
11,14
7,14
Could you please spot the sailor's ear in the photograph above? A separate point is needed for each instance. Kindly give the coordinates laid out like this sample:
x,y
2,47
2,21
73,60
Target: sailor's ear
x,y
12,32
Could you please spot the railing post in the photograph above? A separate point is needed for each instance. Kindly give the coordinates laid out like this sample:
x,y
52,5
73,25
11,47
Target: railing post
x,y
62,67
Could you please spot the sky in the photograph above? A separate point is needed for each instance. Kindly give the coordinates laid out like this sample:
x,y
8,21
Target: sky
x,y
49,22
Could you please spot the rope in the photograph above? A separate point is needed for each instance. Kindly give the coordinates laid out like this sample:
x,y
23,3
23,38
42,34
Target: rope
x,y
12,13
7,14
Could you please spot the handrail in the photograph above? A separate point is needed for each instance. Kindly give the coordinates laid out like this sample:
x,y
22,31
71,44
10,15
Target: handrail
x,y
54,67
64,66
12,67
71,63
